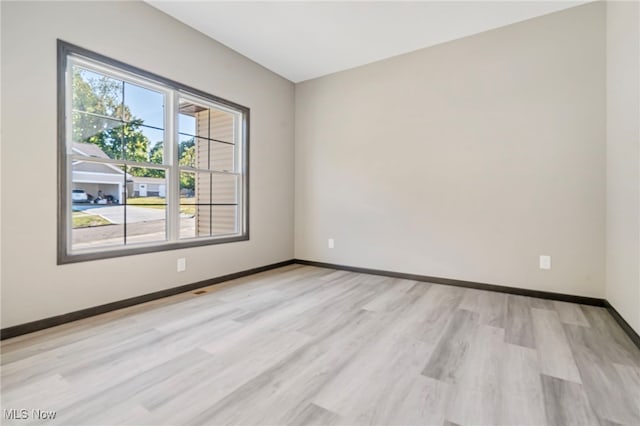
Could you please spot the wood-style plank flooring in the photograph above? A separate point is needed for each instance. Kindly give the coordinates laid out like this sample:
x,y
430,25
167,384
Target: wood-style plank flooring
x,y
310,346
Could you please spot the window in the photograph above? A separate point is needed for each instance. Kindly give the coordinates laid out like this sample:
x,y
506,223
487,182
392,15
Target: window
x,y
145,164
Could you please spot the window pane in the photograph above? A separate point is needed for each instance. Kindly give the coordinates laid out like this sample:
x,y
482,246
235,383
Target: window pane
x,y
96,136
146,210
188,186
96,215
96,93
146,223
196,185
202,221
203,188
139,142
195,211
147,187
143,105
222,157
187,150
223,219
195,220
202,153
187,205
96,183
224,188
144,144
193,119
222,126
96,225
187,217
186,125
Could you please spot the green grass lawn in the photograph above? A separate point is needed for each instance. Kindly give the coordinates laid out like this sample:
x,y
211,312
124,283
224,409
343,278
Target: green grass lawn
x,y
145,201
186,204
85,220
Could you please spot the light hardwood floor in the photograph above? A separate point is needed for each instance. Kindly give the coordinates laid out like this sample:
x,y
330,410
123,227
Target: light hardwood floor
x,y
303,345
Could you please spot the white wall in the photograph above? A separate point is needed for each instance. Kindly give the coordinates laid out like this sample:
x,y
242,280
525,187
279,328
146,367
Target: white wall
x,y
623,159
466,160
33,286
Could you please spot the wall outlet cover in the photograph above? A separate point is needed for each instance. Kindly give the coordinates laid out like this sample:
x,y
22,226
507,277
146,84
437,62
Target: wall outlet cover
x,y
545,262
182,264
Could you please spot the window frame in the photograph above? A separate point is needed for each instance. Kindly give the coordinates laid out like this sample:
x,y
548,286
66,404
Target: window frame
x,y
169,87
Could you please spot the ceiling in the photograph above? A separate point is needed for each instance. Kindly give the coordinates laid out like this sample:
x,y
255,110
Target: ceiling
x,y
305,40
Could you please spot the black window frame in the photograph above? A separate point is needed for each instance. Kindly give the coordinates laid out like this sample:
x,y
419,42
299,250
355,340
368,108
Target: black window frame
x,y
64,253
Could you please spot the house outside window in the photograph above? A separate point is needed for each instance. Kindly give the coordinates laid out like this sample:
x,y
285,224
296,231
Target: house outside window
x,y
145,164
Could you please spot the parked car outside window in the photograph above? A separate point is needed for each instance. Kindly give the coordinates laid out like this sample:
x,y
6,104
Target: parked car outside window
x,y
79,196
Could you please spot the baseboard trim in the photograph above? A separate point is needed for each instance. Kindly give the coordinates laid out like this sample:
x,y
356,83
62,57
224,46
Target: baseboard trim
x,y
30,327
583,300
635,338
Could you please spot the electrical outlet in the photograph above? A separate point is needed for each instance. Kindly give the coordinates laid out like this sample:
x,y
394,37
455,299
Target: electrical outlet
x,y
545,262
182,264
331,243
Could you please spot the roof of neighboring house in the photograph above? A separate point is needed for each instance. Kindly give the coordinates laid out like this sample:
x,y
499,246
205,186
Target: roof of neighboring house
x,y
89,149
148,180
82,166
93,150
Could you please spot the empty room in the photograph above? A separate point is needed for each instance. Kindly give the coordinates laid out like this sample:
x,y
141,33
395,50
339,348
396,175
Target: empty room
x,y
320,213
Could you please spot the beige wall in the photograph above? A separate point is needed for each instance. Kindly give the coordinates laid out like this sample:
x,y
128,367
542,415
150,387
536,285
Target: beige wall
x,y
466,160
623,159
33,286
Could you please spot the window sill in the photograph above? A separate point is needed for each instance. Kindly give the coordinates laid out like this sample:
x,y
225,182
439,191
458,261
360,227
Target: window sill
x,y
134,250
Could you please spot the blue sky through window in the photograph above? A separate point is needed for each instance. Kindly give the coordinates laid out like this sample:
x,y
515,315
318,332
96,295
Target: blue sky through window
x,y
186,124
144,104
